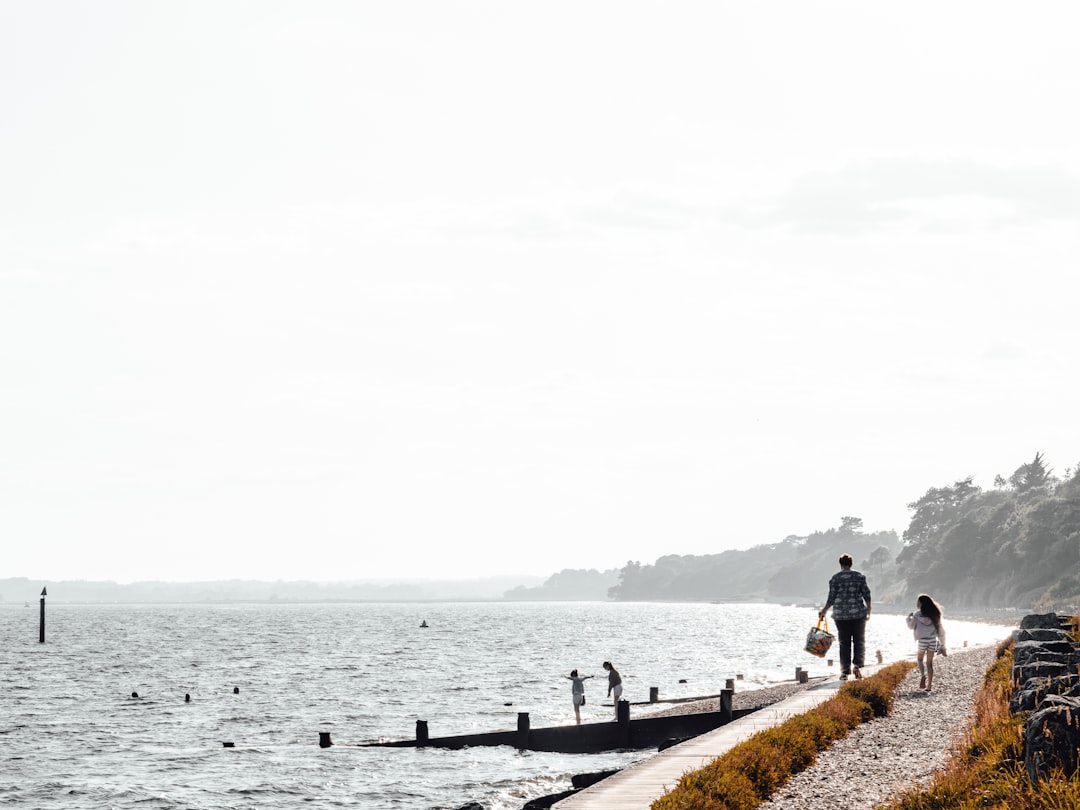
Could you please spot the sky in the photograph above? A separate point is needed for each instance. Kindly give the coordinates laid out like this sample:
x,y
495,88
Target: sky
x,y
367,291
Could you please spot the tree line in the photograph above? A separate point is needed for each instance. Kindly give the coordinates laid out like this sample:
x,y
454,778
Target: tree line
x,y
1014,545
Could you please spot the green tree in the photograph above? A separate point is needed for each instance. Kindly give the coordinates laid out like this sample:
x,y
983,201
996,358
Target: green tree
x,y
1031,475
932,512
850,525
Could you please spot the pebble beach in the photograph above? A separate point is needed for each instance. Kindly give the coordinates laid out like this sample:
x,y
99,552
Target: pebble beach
x,y
888,755
882,758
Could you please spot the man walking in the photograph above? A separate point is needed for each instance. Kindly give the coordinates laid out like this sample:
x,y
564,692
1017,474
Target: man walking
x,y
849,598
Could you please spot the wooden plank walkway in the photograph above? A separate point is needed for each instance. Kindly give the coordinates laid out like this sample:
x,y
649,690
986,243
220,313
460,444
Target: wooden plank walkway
x,y
637,787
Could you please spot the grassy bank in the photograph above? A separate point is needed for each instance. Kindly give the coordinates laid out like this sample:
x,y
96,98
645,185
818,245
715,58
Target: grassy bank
x,y
754,770
986,770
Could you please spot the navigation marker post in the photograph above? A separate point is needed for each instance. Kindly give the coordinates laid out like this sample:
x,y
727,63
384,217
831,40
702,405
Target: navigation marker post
x,y
41,627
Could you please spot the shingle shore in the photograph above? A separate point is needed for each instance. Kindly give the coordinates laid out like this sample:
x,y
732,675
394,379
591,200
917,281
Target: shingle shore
x,y
888,755
881,758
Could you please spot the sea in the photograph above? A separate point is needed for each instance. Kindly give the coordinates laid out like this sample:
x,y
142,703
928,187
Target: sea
x,y
269,678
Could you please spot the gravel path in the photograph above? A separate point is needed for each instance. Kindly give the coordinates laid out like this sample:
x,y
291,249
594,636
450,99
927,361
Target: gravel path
x,y
885,756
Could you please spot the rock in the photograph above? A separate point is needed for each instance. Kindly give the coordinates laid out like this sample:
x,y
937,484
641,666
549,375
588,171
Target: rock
x,y
1025,652
1039,669
545,802
1041,621
1042,634
1029,697
472,806
584,780
1069,659
1052,737
666,744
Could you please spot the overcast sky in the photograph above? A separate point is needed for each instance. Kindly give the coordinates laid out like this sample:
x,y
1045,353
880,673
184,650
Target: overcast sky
x,y
365,290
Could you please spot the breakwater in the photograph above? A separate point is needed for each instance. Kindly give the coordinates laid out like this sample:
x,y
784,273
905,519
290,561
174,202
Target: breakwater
x,y
586,738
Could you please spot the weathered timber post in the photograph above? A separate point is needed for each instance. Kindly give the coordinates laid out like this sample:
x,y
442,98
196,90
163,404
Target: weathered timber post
x,y
421,733
523,730
879,658
730,684
41,626
804,676
725,705
798,674
622,717
654,694
324,739
830,662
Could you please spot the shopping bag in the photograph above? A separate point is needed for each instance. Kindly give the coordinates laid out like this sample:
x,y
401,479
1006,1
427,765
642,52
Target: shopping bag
x,y
818,641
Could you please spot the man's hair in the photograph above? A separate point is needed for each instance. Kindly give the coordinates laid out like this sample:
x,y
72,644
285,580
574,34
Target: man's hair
x,y
846,561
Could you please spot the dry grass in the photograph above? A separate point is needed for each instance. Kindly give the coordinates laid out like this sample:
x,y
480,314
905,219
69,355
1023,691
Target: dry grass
x,y
986,769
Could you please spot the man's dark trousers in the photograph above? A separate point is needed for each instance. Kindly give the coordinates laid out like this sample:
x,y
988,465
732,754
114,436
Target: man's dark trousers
x,y
851,633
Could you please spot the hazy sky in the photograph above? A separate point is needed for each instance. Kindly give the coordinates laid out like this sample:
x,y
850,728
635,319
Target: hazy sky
x,y
357,290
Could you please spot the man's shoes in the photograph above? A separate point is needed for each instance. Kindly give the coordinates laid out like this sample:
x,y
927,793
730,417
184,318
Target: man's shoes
x,y
858,674
843,677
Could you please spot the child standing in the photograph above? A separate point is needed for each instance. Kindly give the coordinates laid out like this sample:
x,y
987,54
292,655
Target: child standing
x,y
929,632
577,692
614,684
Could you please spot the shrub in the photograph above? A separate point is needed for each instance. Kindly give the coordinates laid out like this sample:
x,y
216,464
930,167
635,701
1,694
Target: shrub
x,y
817,727
877,694
847,710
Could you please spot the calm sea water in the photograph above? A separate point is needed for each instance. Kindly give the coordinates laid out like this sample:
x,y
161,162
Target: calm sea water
x,y
71,735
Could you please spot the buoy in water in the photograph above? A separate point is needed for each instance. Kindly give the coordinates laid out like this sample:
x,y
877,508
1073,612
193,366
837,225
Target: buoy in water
x,y
424,623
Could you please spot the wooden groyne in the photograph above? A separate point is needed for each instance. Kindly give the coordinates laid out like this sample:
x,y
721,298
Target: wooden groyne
x,y
586,738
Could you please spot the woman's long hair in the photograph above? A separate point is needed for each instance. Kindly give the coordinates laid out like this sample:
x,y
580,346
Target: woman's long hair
x,y
930,609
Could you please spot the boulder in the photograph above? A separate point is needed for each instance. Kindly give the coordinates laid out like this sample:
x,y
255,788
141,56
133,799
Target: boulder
x,y
1024,652
1042,634
1029,696
1052,738
671,742
1040,669
545,802
584,780
1040,620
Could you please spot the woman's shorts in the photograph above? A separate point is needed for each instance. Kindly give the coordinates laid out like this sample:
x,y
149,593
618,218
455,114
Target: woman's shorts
x,y
928,644
579,699
616,691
